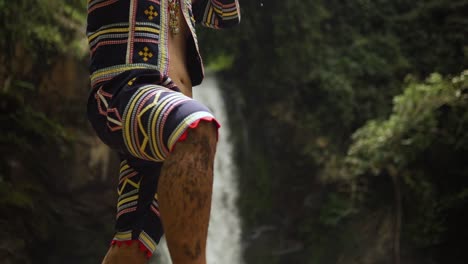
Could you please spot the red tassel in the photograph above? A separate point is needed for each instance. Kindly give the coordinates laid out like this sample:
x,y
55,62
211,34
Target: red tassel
x,y
141,246
183,137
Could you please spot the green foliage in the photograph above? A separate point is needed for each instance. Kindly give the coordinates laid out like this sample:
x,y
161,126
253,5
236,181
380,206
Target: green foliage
x,y
425,225
26,128
44,27
34,33
336,208
412,128
28,137
313,83
260,202
16,197
220,62
423,142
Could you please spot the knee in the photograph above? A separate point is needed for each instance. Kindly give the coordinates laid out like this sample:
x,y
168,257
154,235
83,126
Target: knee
x,y
200,141
205,134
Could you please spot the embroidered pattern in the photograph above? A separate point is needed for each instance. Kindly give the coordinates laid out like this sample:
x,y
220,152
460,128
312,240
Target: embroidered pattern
x,y
95,4
149,243
129,194
146,54
155,205
129,184
127,35
144,120
130,83
151,13
119,30
114,121
218,14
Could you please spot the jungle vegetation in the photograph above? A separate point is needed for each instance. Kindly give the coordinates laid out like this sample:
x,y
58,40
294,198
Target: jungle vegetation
x,y
349,119
351,122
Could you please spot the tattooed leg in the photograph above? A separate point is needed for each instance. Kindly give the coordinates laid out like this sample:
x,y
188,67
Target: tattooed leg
x,y
184,192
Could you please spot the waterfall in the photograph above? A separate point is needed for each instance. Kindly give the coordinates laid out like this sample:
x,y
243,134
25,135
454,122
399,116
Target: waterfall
x,y
224,233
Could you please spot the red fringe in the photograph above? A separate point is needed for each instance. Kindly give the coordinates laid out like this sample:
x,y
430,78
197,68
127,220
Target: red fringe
x,y
142,246
183,137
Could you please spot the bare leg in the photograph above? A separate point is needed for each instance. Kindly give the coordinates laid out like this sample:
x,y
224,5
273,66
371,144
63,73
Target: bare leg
x,y
184,192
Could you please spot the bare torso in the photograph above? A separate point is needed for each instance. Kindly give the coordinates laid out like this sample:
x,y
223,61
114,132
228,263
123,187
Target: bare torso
x,y
178,70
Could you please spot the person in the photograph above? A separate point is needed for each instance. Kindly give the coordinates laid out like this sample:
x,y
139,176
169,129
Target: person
x,y
144,61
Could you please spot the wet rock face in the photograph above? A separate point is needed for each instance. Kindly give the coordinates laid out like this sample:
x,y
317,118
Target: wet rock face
x,y
62,190
90,177
63,93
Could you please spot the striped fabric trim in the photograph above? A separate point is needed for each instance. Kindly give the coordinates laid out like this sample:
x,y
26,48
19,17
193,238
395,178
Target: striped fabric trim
x,y
123,236
131,26
217,13
155,205
119,34
108,73
188,16
123,166
93,5
163,52
133,29
147,241
114,121
128,189
144,120
182,127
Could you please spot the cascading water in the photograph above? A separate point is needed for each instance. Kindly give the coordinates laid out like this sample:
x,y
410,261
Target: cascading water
x,y
224,242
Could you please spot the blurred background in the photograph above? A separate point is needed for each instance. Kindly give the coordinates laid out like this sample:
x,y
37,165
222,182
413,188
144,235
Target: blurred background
x,y
345,134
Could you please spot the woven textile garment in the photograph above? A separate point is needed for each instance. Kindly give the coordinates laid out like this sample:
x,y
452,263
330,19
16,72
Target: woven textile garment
x,y
133,34
134,106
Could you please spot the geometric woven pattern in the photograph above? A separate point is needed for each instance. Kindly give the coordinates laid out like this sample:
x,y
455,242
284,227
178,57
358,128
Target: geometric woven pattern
x,y
154,119
128,35
137,207
114,121
129,184
142,120
145,119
